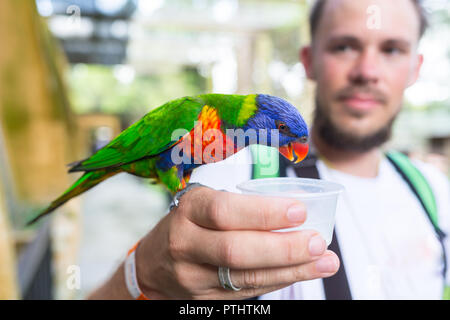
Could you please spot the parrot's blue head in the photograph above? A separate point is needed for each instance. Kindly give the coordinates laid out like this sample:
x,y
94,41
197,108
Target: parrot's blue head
x,y
278,114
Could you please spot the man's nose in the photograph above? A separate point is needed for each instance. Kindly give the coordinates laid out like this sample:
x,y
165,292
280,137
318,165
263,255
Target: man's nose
x,y
366,68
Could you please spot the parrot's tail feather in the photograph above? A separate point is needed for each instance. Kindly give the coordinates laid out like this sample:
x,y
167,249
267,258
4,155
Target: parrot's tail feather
x,y
77,166
75,163
84,183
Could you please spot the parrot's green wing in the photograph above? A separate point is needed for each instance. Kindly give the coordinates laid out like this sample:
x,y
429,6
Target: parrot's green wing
x,y
149,136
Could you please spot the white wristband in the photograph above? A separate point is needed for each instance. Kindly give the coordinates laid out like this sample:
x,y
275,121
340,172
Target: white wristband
x,y
131,276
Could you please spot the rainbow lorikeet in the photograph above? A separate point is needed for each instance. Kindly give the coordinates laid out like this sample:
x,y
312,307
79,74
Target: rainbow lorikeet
x,y
149,149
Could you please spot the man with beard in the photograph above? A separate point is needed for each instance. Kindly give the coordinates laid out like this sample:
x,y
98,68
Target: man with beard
x,y
386,242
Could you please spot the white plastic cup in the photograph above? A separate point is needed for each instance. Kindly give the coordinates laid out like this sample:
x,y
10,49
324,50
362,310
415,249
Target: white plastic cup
x,y
319,196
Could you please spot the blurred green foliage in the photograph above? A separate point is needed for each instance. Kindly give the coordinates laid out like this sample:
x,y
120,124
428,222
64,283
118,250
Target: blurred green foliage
x,y
433,106
96,88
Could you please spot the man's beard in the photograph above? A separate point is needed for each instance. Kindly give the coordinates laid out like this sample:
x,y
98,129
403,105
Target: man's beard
x,y
338,138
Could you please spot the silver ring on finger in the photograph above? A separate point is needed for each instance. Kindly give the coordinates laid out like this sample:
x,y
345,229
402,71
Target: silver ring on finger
x,y
225,279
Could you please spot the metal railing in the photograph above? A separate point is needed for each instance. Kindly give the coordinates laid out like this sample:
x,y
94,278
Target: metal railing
x,y
35,267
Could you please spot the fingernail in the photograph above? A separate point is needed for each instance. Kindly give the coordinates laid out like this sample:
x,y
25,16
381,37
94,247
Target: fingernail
x,y
327,264
296,213
316,245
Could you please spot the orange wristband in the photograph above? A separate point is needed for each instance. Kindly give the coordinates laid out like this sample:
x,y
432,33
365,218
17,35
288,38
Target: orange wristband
x,y
131,276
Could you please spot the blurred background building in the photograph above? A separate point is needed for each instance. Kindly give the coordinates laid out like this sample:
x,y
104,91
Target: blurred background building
x,y
74,73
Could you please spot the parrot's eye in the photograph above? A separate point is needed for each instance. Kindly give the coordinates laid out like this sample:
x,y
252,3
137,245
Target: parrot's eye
x,y
282,127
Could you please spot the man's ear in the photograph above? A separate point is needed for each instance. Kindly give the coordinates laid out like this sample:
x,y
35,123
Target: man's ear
x,y
415,70
305,56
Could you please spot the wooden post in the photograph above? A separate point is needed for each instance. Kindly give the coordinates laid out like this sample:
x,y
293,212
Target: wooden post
x,y
8,278
38,127
34,109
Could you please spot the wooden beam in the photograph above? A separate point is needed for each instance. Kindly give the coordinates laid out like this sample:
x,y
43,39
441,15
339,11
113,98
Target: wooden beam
x,y
8,279
34,109
39,131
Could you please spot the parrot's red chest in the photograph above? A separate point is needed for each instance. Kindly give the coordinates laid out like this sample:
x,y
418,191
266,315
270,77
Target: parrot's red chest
x,y
206,142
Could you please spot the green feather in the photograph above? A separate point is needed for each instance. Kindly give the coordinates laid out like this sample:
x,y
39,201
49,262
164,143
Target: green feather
x,y
152,134
248,109
232,108
135,150
147,137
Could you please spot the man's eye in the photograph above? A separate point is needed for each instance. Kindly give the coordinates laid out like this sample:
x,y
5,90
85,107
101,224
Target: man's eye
x,y
392,50
342,48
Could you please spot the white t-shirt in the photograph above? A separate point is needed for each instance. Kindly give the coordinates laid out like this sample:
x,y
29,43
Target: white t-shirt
x,y
388,244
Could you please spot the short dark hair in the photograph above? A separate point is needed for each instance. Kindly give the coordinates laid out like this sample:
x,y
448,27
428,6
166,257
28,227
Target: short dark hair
x,y
317,9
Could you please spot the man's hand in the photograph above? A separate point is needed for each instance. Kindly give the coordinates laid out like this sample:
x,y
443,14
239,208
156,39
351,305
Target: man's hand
x,y
179,258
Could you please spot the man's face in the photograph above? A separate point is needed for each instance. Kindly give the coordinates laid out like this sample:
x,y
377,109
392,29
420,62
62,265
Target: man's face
x,y
363,57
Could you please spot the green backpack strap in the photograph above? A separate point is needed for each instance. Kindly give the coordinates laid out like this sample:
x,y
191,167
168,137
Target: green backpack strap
x,y
418,182
446,295
265,161
423,191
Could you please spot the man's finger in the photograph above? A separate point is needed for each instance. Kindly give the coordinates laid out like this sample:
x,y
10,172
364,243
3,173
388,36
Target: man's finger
x,y
255,282
262,249
259,282
326,266
221,210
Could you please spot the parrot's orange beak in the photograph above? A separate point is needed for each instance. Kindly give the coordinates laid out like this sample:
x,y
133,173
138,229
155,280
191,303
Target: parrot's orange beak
x,y
299,149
